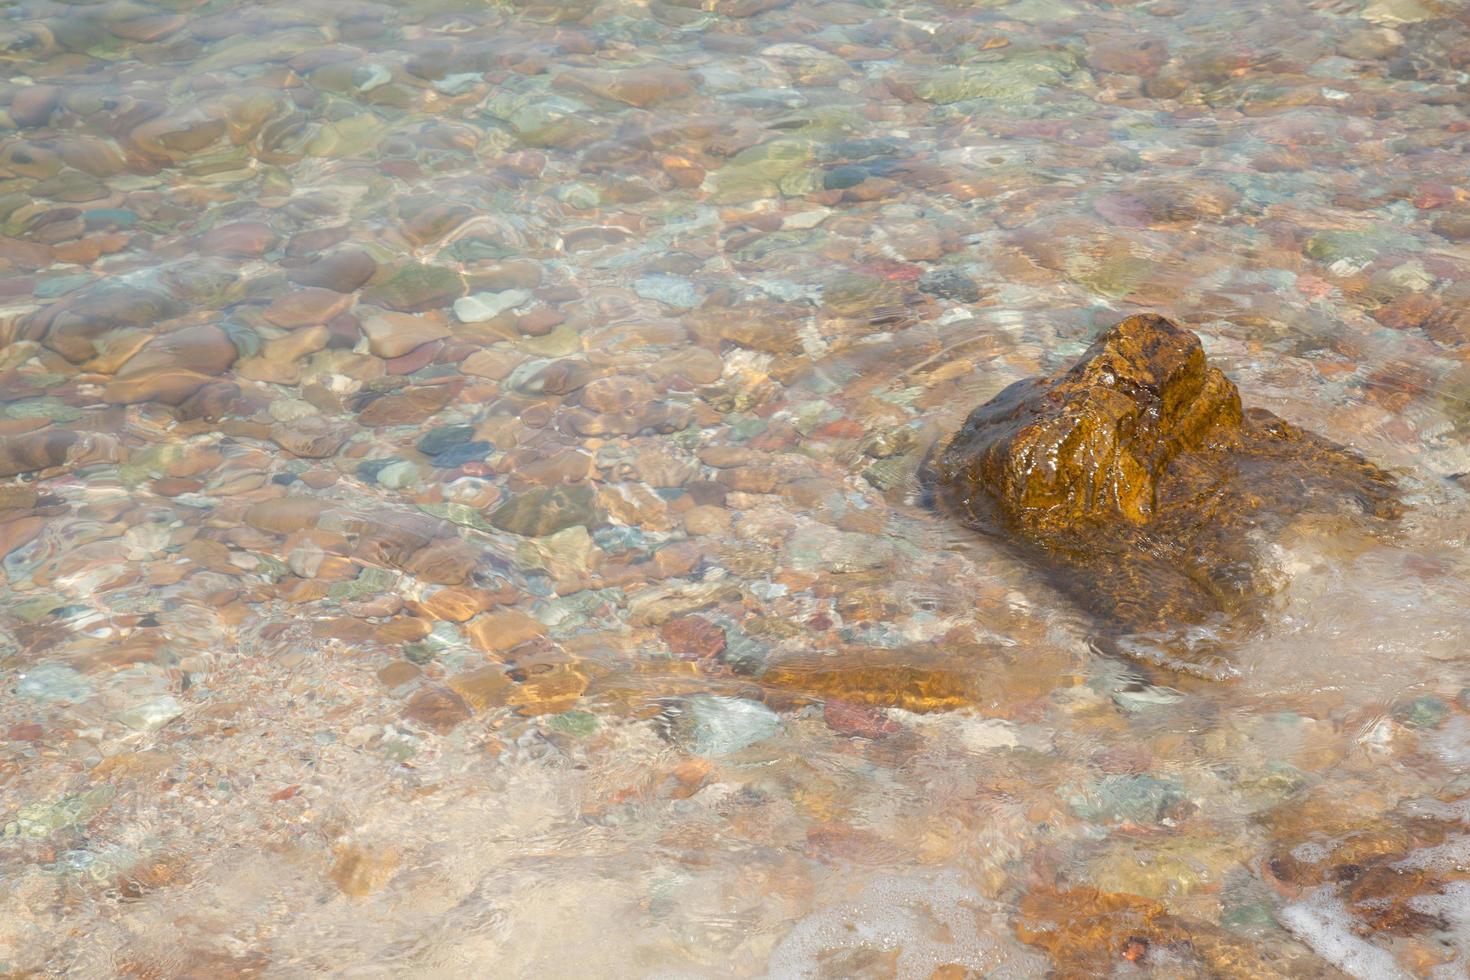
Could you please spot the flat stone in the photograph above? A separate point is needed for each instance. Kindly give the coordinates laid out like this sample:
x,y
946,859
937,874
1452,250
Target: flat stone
x,y
239,239
71,325
446,562
172,366
35,450
285,515
479,307
494,364
416,289
693,636
393,335
674,291
306,307
502,630
545,510
344,271
483,688
639,87
33,105
436,708
310,438
150,716
444,437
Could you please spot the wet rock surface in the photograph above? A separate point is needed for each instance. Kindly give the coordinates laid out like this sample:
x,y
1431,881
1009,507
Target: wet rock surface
x,y
458,497
1146,490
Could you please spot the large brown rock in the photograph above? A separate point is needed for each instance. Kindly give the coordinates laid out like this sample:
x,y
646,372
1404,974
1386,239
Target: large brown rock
x,y
1139,483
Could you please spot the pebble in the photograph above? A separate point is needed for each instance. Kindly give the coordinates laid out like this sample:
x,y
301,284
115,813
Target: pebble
x,y
479,307
713,726
392,335
546,510
306,307
675,291
415,288
150,716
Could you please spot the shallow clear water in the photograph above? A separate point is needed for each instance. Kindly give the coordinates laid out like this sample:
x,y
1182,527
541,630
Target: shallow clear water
x,y
459,512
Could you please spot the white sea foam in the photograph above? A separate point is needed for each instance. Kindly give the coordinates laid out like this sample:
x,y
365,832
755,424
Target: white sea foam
x,y
930,920
1323,923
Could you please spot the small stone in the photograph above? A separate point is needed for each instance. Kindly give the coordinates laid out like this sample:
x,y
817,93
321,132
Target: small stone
x,y
468,452
239,239
437,708
479,307
1407,311
673,290
398,474
150,716
35,450
503,630
496,365
482,689
707,519
446,562
306,307
556,377
693,636
285,515
314,437
546,510
416,289
33,105
862,720
1139,799
360,871
540,321
578,724
950,284
712,725
342,272
640,87
399,673
1135,55
1453,225
396,334
47,683
1426,711
444,437
456,604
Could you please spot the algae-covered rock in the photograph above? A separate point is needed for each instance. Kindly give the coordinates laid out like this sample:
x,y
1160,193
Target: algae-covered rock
x,y
1139,482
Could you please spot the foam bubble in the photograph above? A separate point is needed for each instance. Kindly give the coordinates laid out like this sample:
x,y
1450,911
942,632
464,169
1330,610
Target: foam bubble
x,y
1311,852
1452,855
930,920
1323,923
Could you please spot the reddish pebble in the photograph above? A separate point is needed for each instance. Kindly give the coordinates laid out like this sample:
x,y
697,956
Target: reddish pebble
x,y
239,239
305,307
33,105
415,359
174,486
839,429
861,720
694,636
540,321
26,731
892,271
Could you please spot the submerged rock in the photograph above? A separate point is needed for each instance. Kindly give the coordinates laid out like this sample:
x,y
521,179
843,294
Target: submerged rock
x,y
1142,486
